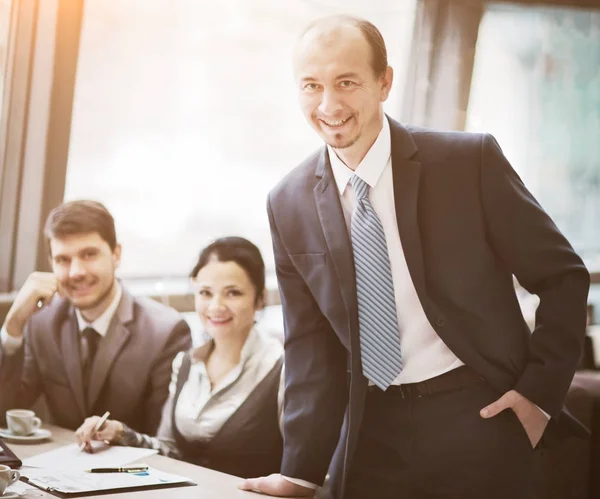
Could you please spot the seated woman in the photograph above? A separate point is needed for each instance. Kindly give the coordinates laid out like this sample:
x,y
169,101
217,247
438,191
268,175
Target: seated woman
x,y
224,402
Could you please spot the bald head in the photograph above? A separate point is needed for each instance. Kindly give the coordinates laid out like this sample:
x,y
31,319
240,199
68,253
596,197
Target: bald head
x,y
327,29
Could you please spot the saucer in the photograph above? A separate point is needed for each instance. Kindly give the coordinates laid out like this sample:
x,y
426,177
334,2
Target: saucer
x,y
38,435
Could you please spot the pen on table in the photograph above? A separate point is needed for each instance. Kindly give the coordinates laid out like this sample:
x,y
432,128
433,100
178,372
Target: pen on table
x,y
98,425
124,469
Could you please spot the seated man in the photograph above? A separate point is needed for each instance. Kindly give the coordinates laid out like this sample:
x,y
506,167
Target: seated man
x,y
78,337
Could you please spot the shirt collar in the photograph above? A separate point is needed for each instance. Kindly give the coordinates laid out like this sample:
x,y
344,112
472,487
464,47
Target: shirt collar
x,y
372,165
101,323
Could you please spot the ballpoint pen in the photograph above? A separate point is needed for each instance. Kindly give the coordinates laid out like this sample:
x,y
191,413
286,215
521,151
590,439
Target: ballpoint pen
x,y
98,425
122,469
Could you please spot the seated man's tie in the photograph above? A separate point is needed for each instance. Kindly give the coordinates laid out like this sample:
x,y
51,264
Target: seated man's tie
x,y
91,339
377,319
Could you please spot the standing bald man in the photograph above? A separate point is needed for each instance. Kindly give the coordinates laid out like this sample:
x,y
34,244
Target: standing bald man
x,y
410,371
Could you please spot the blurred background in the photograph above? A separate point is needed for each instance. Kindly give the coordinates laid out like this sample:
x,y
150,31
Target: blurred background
x,y
180,115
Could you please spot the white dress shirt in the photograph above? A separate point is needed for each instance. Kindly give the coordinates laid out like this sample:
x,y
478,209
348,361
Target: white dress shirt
x,y
202,410
424,354
10,344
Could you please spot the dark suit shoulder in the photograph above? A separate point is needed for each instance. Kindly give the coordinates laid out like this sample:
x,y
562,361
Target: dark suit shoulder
x,y
439,151
429,137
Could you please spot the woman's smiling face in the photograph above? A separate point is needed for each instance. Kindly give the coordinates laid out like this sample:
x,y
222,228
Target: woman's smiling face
x,y
225,299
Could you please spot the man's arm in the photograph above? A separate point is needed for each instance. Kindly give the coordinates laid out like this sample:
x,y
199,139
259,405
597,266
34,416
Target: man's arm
x,y
9,345
20,380
11,367
179,340
315,375
545,264
19,374
315,386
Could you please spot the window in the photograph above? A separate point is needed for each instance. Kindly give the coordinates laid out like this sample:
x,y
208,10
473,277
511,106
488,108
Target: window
x,y
5,6
185,115
536,87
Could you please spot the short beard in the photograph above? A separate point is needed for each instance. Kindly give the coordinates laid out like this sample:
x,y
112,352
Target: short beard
x,y
345,145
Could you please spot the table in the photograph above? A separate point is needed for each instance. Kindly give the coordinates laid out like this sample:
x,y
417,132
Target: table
x,y
210,484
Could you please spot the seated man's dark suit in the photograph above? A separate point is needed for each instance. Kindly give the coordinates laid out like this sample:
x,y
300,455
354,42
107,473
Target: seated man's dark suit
x,y
130,375
467,224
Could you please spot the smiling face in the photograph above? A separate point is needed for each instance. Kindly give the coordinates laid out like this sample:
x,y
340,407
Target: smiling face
x,y
85,267
226,299
340,94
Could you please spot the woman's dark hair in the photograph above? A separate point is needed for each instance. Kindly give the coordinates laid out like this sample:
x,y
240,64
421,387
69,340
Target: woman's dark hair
x,y
240,251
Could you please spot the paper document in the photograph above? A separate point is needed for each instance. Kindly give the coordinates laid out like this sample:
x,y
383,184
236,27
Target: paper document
x,y
71,458
80,482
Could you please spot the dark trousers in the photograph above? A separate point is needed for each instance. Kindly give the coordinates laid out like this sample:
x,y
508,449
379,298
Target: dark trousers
x,y
438,447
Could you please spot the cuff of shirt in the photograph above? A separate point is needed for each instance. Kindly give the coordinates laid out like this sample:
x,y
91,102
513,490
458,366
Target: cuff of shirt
x,y
10,344
543,411
304,483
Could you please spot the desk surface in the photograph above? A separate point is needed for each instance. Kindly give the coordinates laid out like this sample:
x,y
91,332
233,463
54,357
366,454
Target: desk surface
x,y
210,484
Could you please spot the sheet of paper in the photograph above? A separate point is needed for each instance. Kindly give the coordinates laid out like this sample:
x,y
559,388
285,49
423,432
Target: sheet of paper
x,y
71,458
72,482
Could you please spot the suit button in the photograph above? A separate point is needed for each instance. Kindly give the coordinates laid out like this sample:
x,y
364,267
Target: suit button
x,y
440,322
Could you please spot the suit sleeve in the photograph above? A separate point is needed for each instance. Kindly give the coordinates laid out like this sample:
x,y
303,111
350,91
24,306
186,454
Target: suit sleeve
x,y
532,247
179,340
164,441
20,381
315,375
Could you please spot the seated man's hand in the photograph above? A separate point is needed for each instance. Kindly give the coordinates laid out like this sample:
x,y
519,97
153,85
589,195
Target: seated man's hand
x,y
38,290
276,485
108,432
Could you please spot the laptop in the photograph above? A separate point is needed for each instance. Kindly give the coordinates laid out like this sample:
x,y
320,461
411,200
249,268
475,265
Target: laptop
x,y
8,457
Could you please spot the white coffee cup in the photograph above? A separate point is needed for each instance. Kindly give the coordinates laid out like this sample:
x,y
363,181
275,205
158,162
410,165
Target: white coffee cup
x,y
22,422
7,477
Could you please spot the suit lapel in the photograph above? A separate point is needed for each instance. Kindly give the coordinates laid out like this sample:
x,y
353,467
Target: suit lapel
x,y
69,346
331,215
406,175
110,347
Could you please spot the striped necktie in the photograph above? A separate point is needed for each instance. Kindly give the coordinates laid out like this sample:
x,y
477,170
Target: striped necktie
x,y
377,319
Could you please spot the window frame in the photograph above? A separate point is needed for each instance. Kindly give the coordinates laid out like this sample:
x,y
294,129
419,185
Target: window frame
x,y
38,99
35,129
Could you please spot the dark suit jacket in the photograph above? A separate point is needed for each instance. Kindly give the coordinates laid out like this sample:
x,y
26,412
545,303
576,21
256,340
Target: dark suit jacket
x,y
131,372
467,224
